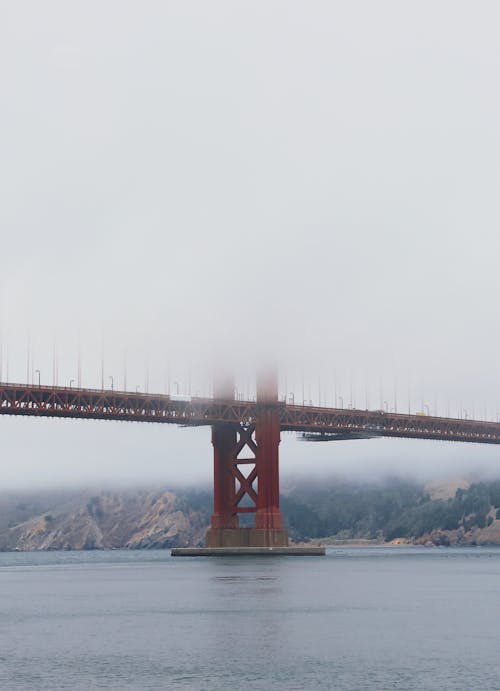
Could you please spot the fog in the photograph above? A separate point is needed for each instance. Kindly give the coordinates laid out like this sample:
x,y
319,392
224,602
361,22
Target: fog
x,y
185,184
70,453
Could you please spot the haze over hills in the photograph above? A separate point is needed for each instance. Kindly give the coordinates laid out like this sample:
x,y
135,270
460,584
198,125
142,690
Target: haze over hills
x,y
454,511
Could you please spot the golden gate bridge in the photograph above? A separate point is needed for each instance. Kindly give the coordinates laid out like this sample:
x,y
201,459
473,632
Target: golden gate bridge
x,y
245,438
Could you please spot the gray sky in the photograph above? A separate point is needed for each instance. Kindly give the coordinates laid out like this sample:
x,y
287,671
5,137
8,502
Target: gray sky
x,y
315,183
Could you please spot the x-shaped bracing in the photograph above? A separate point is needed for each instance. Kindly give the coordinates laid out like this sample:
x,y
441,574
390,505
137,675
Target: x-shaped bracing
x,y
246,482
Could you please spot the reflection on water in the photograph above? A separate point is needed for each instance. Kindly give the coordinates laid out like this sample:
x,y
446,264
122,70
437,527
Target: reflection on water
x,y
405,618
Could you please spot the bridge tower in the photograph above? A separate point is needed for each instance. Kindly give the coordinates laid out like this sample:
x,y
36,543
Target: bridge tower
x,y
246,471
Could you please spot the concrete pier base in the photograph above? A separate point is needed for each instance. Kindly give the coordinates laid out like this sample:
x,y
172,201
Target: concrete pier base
x,y
246,537
248,551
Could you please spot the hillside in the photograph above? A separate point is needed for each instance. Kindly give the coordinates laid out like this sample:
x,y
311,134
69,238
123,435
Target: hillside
x,y
396,511
105,520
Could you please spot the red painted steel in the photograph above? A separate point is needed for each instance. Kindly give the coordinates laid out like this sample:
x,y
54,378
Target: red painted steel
x,y
225,505
267,436
246,476
94,404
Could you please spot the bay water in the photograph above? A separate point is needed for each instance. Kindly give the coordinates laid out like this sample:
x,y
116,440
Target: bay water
x,y
359,618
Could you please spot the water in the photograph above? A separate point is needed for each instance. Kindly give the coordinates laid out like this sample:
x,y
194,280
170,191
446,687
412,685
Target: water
x,y
384,618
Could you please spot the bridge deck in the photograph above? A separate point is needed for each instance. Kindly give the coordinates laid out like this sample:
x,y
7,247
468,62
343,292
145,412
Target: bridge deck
x,y
95,404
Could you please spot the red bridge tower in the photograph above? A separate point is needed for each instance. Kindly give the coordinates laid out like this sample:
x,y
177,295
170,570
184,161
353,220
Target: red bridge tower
x,y
246,472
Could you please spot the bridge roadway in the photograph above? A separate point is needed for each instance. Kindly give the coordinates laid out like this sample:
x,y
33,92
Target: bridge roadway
x,y
316,423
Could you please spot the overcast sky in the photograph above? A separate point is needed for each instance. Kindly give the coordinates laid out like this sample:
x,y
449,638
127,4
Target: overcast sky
x,y
316,183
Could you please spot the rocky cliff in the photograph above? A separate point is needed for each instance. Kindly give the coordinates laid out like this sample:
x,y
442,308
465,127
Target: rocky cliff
x,y
104,520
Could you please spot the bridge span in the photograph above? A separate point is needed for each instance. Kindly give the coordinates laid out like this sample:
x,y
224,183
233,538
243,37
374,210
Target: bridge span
x,y
316,423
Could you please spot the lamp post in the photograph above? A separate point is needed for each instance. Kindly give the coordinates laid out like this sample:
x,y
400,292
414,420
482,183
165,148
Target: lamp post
x,y
112,381
71,382
37,371
341,399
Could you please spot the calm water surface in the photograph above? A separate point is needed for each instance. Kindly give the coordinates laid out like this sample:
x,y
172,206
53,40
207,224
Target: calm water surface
x,y
382,618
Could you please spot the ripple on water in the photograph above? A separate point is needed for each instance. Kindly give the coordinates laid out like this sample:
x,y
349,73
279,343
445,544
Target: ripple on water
x,y
378,618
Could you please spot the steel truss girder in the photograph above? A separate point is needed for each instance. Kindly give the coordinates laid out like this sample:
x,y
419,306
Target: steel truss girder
x,y
43,401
